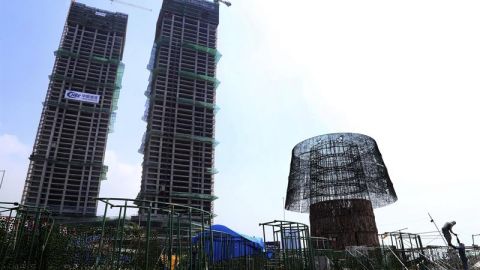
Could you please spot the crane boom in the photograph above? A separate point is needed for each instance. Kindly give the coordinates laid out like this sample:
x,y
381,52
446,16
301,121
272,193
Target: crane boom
x,y
130,4
227,3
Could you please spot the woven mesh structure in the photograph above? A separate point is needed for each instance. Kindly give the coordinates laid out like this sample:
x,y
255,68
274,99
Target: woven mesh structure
x,y
339,166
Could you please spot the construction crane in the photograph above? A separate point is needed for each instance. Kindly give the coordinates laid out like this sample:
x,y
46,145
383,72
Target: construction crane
x,y
132,5
227,3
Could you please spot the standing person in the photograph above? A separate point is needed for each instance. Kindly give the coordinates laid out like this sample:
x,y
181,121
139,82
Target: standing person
x,y
463,256
446,230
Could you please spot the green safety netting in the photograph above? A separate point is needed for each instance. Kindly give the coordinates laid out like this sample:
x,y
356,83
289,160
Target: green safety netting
x,y
119,77
201,48
196,47
162,40
93,57
186,136
103,175
141,150
212,170
147,107
116,95
206,197
111,125
188,74
198,103
151,61
69,106
55,76
196,138
64,162
194,76
157,70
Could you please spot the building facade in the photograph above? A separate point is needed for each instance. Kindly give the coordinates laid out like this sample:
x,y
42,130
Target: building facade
x,y
66,165
178,146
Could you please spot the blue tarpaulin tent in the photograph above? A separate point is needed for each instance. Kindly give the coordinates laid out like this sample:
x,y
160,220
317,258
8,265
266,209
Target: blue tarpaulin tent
x,y
228,244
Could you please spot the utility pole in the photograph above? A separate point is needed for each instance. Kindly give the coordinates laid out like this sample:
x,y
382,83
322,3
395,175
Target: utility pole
x,y
3,174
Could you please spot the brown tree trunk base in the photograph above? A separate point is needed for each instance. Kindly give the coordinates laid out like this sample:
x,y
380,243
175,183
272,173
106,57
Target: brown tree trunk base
x,y
345,222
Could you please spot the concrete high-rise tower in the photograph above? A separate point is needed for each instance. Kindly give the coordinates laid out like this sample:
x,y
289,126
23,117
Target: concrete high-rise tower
x,y
178,146
66,165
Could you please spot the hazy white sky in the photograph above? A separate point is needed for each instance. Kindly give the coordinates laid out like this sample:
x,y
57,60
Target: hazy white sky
x,y
403,72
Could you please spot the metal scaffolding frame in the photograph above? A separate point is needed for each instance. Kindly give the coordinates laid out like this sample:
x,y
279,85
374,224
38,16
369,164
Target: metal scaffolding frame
x,y
288,246
339,166
66,165
179,144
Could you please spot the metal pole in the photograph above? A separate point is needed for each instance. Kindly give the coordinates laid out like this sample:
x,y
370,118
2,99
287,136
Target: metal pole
x,y
100,247
116,236
122,232
34,234
3,175
170,237
179,243
403,247
7,236
284,246
47,238
212,249
441,234
148,236
473,244
190,240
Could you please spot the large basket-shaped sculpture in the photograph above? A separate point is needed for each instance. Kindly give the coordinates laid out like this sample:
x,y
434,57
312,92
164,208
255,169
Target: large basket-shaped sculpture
x,y
339,178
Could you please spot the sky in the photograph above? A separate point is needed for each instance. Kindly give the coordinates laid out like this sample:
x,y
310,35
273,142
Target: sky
x,y
403,72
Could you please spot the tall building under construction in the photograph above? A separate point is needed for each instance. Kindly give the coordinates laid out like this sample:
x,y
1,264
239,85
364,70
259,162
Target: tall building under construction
x,y
66,166
178,146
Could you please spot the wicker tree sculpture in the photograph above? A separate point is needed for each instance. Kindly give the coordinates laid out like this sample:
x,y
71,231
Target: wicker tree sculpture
x,y
339,178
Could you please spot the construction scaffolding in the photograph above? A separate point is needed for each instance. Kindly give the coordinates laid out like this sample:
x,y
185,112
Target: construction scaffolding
x,y
24,234
339,178
288,246
66,165
31,238
179,143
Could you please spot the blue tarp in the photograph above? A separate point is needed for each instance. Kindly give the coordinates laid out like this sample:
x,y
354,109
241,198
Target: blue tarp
x,y
228,244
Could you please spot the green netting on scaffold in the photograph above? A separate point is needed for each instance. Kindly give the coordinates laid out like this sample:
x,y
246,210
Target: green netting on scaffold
x,y
194,76
197,47
116,96
189,75
206,197
119,76
55,76
212,171
69,106
141,150
185,136
162,40
196,138
211,51
157,70
103,175
111,125
63,162
198,103
93,57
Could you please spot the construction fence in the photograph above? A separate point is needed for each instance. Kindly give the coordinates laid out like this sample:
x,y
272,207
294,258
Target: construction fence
x,y
30,238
